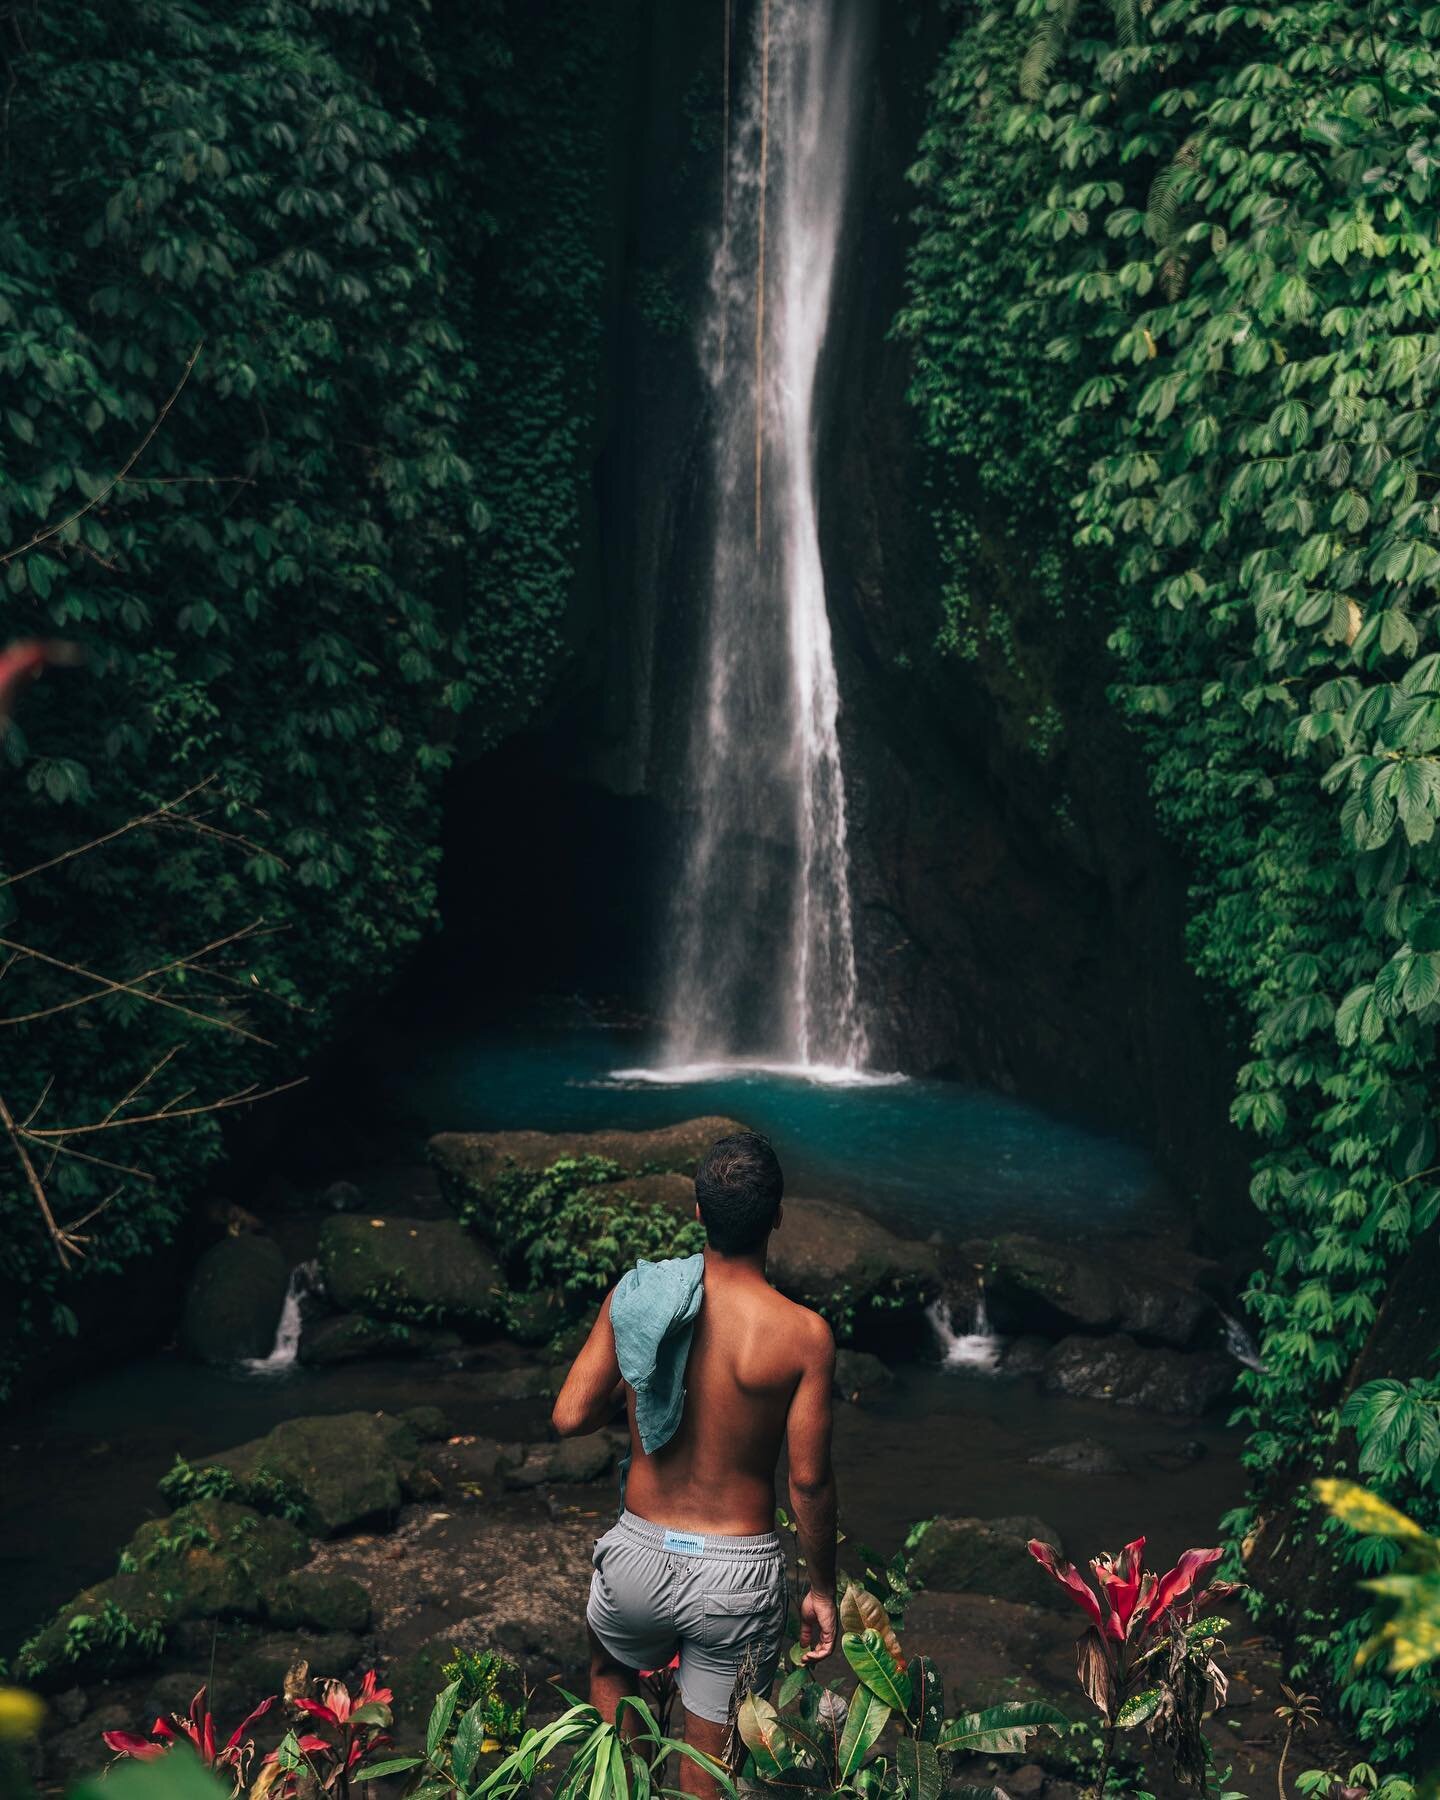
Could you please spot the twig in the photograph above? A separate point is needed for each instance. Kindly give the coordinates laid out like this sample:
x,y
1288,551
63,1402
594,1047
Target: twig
x,y
44,535
125,987
57,1237
188,961
246,1096
110,836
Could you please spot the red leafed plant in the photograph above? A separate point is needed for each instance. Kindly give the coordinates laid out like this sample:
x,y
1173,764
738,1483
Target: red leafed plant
x,y
197,1729
1146,1658
341,1730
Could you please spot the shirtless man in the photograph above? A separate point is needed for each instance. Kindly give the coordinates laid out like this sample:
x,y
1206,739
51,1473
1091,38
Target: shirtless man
x,y
694,1564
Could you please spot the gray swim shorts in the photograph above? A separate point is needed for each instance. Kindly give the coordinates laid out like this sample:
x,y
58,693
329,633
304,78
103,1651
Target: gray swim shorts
x,y
656,1591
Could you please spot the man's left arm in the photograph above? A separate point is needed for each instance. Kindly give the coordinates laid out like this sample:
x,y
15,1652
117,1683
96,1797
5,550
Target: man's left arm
x,y
594,1388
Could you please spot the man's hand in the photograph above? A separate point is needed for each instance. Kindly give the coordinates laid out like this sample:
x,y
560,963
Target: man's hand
x,y
819,1626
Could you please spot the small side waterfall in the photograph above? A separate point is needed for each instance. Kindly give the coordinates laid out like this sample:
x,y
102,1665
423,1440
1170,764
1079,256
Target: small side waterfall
x,y
968,1343
767,836
286,1347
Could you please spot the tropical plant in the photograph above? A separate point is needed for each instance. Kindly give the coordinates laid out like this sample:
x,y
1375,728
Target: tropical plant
x,y
1146,1657
195,1731
820,1739
1408,1634
604,1760
1185,287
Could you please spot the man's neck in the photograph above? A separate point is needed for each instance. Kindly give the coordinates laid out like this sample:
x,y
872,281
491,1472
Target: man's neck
x,y
748,1265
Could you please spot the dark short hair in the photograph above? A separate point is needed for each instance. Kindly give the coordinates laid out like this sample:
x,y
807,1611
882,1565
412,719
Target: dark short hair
x,y
739,1186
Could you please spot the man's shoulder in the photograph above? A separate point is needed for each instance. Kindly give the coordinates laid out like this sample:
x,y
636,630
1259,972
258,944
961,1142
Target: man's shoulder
x,y
809,1330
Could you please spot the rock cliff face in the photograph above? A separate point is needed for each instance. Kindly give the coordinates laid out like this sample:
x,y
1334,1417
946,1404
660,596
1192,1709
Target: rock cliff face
x,y
1019,919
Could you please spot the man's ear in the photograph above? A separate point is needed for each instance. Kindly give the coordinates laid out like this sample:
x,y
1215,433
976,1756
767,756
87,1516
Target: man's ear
x,y
697,1210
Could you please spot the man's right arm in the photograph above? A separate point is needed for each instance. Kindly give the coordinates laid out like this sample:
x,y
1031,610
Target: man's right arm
x,y
812,1489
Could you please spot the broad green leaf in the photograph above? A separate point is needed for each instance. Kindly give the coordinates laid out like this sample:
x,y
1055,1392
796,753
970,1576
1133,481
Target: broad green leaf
x,y
1138,1708
877,1668
867,1718
441,1714
1000,1729
918,1763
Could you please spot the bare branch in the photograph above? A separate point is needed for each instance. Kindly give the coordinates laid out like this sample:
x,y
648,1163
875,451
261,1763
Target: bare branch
x,y
134,824
52,531
57,1237
246,1096
125,987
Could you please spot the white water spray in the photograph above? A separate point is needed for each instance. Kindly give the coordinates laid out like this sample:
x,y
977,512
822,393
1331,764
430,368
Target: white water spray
x,y
970,1344
767,840
286,1348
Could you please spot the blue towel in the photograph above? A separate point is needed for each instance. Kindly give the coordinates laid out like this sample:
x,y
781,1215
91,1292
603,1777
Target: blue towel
x,y
653,1318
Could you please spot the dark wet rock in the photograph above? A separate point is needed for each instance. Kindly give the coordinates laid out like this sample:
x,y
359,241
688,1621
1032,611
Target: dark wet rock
x,y
573,1460
858,1374
531,1381
469,1162
1027,1782
1034,1285
428,1272
1085,1456
986,1556
830,1255
316,1602
258,1664
1024,1355
1182,1456
342,1196
233,1302
535,1318
349,1337
980,1644
348,1466
1118,1369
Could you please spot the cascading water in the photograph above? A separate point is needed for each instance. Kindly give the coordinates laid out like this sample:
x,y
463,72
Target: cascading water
x,y
285,1351
767,840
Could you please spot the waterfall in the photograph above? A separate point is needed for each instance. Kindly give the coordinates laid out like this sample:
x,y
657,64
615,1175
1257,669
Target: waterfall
x,y
286,1348
974,1347
767,825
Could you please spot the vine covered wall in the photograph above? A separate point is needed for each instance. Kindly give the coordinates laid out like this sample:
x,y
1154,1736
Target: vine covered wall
x,y
1173,316
299,322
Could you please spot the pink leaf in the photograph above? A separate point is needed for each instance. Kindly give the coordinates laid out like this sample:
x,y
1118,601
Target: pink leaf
x,y
130,1743
1069,1577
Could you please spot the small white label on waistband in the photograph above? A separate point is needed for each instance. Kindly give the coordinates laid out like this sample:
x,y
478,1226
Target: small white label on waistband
x,y
684,1543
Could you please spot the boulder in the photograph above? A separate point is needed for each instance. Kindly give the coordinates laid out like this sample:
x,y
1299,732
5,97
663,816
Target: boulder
x,y
428,1272
987,1556
348,1337
1024,1355
317,1602
233,1302
857,1374
342,1196
1053,1288
529,1382
832,1256
206,1561
348,1466
258,1663
468,1162
575,1459
1085,1456
1116,1368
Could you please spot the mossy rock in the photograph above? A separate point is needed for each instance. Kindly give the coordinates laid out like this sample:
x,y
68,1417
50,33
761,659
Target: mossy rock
x,y
470,1162
317,1602
826,1254
234,1300
349,1337
426,1272
350,1467
208,1560
987,1556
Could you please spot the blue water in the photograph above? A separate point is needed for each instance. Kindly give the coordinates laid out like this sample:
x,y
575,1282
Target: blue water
x,y
923,1155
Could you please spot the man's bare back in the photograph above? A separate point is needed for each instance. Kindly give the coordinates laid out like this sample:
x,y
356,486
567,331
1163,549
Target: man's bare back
x,y
747,1375
694,1564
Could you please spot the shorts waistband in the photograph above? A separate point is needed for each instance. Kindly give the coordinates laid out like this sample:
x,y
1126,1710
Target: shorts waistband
x,y
696,1543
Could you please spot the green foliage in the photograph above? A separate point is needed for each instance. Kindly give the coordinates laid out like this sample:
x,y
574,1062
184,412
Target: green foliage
x,y
487,1681
267,1493
1188,288
351,537
570,1228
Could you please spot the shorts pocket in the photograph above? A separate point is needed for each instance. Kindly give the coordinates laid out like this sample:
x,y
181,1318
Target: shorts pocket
x,y
746,1616
602,1544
